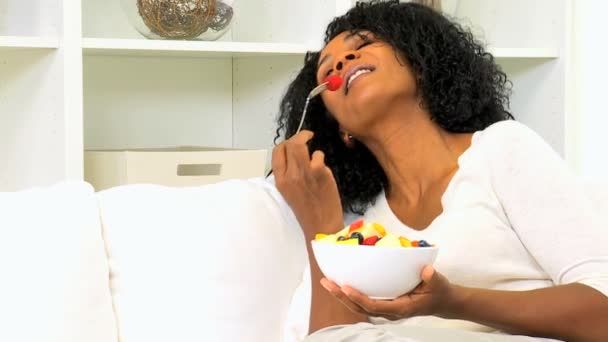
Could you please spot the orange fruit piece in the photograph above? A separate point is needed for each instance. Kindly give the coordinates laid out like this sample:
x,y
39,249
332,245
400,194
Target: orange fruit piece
x,y
405,242
380,229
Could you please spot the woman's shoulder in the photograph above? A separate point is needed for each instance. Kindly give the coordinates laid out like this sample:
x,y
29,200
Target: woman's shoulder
x,y
509,148
508,137
507,131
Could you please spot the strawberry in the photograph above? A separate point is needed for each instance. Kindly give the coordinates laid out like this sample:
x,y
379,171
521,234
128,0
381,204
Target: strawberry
x,y
355,225
370,241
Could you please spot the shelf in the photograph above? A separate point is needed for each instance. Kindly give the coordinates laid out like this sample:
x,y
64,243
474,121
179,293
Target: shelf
x,y
180,48
18,42
539,53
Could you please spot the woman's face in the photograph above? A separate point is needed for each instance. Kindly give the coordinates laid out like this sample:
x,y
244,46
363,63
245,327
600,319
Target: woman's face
x,y
376,81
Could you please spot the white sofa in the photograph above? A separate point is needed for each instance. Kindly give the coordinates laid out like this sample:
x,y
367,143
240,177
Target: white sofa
x,y
147,263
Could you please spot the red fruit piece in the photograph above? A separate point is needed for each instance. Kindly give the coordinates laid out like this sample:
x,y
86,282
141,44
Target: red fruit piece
x,y
415,243
355,225
370,241
333,82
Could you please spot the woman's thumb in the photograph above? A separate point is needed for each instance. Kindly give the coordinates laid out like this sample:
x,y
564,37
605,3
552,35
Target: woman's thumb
x,y
428,272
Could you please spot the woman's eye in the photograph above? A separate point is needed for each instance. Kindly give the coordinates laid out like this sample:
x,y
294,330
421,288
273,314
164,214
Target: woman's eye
x,y
329,72
366,43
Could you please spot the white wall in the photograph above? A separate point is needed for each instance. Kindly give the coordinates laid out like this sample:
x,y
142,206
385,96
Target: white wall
x,y
588,152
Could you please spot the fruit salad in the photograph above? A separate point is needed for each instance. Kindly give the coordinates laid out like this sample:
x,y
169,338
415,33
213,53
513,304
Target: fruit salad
x,y
369,234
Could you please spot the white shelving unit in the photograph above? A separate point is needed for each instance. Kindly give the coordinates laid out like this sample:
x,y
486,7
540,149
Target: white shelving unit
x,y
75,75
525,53
32,121
21,43
165,48
530,42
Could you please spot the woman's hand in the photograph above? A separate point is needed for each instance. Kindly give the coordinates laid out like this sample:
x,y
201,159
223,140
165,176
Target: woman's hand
x,y
308,185
432,296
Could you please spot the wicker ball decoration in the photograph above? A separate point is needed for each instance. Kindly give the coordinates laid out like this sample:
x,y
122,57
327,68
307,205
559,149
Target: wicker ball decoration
x,y
184,19
222,18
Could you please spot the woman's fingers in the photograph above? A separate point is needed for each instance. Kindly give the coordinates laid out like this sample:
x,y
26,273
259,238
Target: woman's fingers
x,y
428,274
329,285
398,307
318,167
291,152
298,157
317,161
279,160
431,281
362,300
302,138
360,303
337,292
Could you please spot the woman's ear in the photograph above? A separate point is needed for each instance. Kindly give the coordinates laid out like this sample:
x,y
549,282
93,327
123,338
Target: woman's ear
x,y
348,139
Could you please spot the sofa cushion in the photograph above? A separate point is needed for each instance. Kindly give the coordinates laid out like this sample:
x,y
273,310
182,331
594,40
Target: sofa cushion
x,y
210,263
54,284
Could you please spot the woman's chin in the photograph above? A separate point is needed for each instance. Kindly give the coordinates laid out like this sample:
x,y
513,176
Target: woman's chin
x,y
364,101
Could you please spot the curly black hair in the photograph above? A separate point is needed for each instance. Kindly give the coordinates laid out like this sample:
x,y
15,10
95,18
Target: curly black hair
x,y
462,88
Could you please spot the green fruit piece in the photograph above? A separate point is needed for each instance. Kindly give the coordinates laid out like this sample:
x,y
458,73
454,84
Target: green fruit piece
x,y
348,242
343,232
368,231
390,240
327,238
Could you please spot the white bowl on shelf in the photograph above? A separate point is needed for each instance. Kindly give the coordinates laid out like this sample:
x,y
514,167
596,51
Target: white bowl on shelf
x,y
378,272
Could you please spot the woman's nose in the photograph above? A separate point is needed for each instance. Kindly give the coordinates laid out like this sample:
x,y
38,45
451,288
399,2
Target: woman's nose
x,y
341,61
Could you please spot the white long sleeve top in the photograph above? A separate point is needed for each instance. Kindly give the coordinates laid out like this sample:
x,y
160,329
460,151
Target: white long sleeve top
x,y
514,218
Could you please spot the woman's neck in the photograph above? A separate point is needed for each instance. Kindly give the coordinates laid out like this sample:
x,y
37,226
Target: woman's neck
x,y
416,155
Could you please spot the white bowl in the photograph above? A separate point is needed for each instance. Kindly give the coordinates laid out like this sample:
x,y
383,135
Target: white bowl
x,y
378,272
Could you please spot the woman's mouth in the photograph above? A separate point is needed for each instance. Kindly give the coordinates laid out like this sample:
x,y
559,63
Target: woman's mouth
x,y
354,73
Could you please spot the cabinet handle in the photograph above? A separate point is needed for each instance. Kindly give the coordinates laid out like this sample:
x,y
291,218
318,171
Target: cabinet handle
x,y
196,170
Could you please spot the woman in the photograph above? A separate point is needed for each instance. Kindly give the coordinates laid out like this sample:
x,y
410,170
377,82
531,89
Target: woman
x,y
419,138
